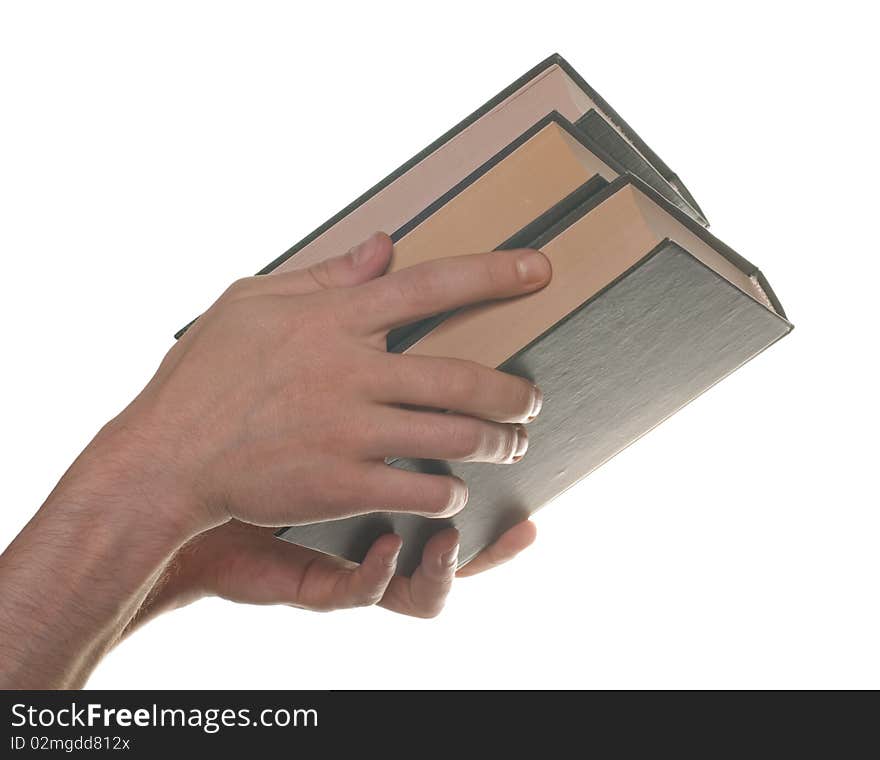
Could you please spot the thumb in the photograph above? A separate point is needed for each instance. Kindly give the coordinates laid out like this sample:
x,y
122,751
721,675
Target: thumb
x,y
364,262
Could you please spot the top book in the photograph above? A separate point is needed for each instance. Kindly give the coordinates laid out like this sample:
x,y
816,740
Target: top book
x,y
552,85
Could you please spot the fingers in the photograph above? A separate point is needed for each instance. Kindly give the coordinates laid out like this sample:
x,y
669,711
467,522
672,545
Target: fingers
x,y
431,582
424,594
437,286
362,263
390,489
519,537
459,386
245,563
451,437
367,584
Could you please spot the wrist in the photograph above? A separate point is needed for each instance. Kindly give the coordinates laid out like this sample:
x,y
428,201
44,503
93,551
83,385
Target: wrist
x,y
131,474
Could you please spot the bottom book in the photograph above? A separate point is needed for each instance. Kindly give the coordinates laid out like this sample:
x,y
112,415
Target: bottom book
x,y
646,310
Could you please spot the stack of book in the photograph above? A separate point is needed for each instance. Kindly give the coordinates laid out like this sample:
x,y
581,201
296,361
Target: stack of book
x,y
646,309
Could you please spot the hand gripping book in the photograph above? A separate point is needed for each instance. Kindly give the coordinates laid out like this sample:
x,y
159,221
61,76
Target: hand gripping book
x,y
645,311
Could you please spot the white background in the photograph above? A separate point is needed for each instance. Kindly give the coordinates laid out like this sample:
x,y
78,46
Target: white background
x,y
152,152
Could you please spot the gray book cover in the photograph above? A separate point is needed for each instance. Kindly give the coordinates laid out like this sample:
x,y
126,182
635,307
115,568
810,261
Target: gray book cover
x,y
628,357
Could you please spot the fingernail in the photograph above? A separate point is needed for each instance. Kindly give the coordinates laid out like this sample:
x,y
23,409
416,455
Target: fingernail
x,y
450,559
537,403
532,267
522,443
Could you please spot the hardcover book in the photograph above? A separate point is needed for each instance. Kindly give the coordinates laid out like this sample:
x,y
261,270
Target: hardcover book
x,y
552,85
645,311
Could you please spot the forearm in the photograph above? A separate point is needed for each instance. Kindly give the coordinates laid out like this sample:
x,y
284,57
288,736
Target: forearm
x,y
73,579
177,585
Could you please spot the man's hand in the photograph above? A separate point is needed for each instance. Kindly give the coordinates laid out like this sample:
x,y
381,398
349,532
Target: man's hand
x,y
247,564
279,406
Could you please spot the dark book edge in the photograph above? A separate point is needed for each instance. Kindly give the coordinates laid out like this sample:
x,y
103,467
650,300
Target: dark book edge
x,y
643,148
595,126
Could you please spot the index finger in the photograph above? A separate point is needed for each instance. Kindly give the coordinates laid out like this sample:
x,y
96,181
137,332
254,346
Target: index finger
x,y
444,284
